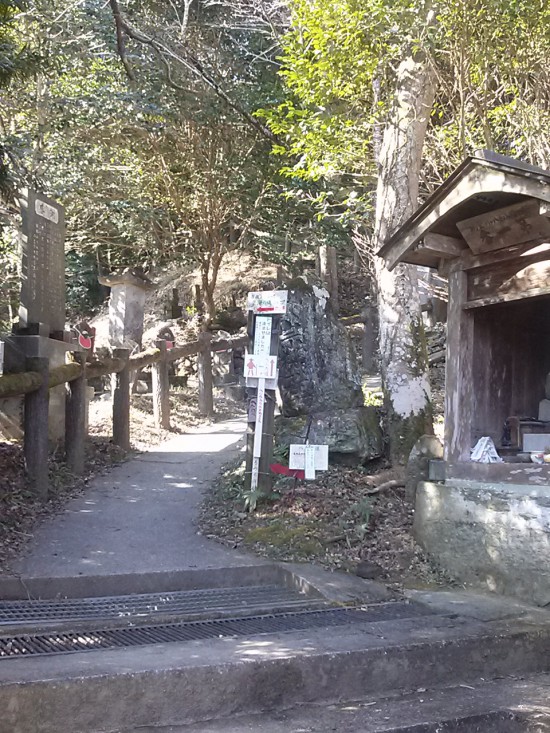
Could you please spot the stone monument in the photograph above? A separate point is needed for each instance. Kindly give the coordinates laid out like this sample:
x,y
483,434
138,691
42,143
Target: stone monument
x,y
320,382
42,304
41,327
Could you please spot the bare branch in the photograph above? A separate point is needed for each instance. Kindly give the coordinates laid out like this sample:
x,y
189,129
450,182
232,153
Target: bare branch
x,y
121,46
189,61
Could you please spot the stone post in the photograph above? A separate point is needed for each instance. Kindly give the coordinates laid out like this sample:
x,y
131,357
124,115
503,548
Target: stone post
x,y
75,419
35,446
161,388
120,385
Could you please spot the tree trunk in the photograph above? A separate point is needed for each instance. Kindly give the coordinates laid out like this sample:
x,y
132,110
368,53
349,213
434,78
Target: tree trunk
x,y
402,342
209,276
328,272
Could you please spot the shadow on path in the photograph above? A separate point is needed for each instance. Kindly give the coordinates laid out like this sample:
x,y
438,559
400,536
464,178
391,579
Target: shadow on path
x,y
140,517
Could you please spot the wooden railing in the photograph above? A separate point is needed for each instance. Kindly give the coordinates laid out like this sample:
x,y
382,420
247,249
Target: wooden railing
x,y
35,383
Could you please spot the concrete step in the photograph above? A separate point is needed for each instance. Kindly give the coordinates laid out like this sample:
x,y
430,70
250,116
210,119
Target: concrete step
x,y
505,706
183,683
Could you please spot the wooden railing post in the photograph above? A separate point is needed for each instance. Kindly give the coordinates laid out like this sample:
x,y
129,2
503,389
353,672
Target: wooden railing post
x,y
120,385
204,366
75,419
35,446
161,388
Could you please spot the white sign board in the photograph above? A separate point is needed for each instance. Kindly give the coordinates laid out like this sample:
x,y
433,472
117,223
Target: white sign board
x,y
536,442
260,366
47,211
297,458
262,335
309,462
270,302
260,405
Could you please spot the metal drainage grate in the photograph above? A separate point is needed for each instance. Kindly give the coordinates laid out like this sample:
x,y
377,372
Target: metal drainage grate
x,y
230,601
67,642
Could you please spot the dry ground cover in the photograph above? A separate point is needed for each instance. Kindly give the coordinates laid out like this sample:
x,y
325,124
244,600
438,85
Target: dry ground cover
x,y
339,521
184,413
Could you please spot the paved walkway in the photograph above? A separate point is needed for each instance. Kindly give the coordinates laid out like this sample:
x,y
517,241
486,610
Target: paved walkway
x,y
140,517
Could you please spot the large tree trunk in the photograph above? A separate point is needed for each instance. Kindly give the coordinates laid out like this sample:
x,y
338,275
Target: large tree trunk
x,y
402,342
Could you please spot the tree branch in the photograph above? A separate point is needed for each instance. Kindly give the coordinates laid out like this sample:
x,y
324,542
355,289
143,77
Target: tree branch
x,y
189,61
121,46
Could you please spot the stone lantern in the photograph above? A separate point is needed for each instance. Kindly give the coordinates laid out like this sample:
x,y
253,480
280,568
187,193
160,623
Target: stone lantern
x,y
129,290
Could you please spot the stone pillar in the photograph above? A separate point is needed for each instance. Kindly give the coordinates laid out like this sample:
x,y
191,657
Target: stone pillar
x,y
129,289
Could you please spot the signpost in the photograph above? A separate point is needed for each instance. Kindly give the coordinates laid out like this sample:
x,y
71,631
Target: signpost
x,y
260,368
308,458
270,302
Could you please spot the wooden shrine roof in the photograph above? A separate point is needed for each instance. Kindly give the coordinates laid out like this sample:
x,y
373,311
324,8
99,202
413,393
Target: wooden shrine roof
x,y
454,220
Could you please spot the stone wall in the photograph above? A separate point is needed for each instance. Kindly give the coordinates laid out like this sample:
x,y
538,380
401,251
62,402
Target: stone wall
x,y
491,535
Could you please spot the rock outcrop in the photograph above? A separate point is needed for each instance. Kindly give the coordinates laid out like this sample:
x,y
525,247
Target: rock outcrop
x,y
317,365
320,382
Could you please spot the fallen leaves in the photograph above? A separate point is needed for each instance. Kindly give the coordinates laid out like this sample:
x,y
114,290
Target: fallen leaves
x,y
346,518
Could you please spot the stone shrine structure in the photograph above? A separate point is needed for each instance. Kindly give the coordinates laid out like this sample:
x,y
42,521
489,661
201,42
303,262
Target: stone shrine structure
x,y
487,229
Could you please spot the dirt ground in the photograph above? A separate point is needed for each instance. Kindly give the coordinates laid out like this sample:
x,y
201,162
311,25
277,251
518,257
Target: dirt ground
x,y
184,413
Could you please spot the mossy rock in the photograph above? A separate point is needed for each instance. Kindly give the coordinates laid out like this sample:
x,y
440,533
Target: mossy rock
x,y
353,436
297,541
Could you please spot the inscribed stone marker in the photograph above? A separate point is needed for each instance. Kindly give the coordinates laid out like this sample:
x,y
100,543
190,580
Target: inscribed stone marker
x,y
42,262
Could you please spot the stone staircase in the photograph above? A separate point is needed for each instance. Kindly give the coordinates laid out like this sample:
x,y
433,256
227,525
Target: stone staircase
x,y
267,648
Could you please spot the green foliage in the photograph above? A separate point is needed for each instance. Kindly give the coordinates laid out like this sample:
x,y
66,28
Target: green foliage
x,y
9,283
356,518
339,60
84,293
160,168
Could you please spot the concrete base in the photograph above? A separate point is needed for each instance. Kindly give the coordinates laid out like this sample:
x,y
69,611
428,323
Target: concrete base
x,y
18,348
491,535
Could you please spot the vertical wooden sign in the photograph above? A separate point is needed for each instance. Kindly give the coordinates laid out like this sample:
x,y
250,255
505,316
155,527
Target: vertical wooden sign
x,y
265,308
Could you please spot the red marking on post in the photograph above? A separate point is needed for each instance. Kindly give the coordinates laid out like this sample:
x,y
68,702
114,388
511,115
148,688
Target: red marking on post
x,y
169,345
84,342
265,309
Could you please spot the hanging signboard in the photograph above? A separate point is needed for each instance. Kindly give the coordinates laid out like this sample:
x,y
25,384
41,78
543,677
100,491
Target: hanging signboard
x,y
270,302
